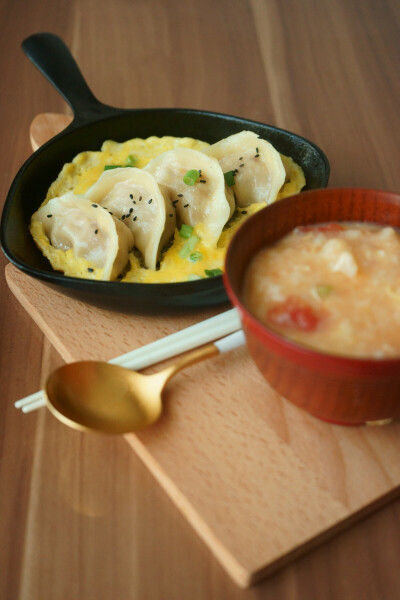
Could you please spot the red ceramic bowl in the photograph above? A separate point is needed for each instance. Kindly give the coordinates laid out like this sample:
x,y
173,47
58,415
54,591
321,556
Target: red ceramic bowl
x,y
342,390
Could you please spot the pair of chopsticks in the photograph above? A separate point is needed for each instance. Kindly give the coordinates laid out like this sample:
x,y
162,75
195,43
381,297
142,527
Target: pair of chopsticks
x,y
186,339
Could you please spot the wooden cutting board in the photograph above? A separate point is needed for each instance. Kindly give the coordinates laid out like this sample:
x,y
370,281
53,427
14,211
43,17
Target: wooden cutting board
x,y
258,479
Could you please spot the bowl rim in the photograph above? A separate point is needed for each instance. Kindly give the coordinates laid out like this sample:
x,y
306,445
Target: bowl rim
x,y
343,365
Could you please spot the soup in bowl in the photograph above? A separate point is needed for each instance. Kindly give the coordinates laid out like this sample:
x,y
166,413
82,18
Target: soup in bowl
x,y
316,281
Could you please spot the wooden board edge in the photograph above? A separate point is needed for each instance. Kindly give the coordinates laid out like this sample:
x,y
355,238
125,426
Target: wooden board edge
x,y
246,576
34,314
341,526
240,574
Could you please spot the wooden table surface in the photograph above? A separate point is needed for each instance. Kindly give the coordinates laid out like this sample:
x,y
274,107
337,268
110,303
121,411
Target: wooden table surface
x,y
80,516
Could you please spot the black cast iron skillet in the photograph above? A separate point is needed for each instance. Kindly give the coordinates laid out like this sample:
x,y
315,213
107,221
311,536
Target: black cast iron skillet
x,y
93,123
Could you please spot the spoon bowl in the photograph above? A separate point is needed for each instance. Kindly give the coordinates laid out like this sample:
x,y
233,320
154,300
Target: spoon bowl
x,y
97,395
94,395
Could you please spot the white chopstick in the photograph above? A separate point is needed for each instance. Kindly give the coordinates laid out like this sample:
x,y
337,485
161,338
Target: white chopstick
x,y
31,402
181,341
167,347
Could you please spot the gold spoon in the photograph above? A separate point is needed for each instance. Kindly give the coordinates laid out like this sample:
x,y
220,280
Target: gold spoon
x,y
91,395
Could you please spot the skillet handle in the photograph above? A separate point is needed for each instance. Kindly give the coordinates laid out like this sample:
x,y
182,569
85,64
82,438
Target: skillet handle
x,y
54,60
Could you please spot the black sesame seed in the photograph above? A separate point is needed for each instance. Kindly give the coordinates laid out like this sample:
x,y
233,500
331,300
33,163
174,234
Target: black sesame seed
x,y
96,231
134,202
170,215
95,205
134,218
131,196
242,165
123,217
150,201
203,181
110,212
175,201
244,212
257,150
49,216
90,270
256,155
140,198
185,205
130,211
180,195
241,158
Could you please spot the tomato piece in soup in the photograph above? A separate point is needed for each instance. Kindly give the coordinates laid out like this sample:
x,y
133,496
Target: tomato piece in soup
x,y
293,313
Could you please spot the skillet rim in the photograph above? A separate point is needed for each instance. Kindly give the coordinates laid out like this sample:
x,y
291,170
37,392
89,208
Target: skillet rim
x,y
186,288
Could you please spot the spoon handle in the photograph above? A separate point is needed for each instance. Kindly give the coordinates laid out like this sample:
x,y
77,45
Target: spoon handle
x,y
230,342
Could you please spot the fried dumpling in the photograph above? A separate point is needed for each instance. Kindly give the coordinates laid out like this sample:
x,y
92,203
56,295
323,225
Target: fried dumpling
x,y
80,238
196,187
255,167
134,196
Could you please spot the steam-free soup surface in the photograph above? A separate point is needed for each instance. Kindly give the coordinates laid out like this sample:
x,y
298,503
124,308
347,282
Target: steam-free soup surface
x,y
334,287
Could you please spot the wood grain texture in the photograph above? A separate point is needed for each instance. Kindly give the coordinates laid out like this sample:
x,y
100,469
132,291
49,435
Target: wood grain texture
x,y
257,492
80,515
45,126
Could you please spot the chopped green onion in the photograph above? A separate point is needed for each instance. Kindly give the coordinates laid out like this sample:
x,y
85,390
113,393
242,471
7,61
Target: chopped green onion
x,y
323,290
191,177
185,231
193,277
195,257
213,272
229,178
131,161
189,246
